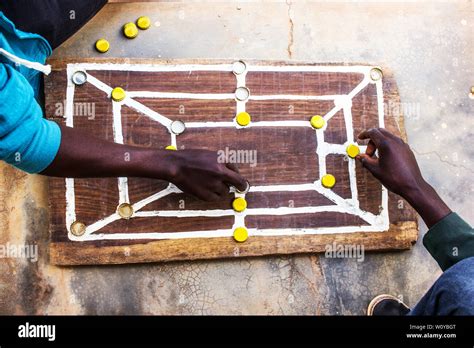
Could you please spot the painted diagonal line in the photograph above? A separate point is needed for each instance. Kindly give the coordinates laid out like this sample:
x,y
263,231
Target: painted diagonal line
x,y
328,194
331,113
114,217
99,224
140,204
359,87
130,102
99,84
349,209
148,112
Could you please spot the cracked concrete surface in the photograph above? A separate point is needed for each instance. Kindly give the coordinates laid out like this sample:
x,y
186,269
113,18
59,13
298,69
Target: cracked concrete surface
x,y
429,47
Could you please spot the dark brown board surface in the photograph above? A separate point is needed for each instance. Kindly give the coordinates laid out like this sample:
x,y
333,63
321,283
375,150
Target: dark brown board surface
x,y
285,156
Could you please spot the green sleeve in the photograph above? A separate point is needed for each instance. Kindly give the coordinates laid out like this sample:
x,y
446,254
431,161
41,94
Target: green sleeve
x,y
450,241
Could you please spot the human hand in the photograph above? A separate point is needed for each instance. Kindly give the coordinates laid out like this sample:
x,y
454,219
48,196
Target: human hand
x,y
199,173
395,166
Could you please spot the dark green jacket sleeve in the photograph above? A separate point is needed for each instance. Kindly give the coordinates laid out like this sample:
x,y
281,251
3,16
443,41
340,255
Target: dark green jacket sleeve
x,y
450,241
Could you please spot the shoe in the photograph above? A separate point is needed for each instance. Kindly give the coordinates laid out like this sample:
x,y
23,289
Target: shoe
x,y
387,305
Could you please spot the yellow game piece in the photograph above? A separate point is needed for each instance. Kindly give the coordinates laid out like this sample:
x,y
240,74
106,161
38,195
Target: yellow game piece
x,y
243,118
170,147
130,30
352,150
239,204
317,122
102,45
241,234
118,94
328,181
143,22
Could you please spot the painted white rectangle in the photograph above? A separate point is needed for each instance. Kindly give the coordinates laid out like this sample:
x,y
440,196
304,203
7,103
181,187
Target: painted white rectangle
x,y
376,223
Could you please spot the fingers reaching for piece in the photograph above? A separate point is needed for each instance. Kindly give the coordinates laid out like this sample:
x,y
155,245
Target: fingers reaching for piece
x,y
377,137
371,148
233,167
235,179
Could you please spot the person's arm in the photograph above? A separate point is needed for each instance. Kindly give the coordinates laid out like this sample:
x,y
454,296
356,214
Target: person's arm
x,y
450,239
27,140
396,168
197,172
36,145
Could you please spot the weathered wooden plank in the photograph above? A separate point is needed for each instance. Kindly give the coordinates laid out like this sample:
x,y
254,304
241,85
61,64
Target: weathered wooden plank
x,y
285,156
399,237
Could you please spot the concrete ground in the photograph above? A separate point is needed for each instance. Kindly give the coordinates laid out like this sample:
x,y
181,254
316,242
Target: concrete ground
x,y
429,46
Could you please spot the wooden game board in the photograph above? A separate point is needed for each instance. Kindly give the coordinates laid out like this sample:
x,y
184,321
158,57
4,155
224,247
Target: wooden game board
x,y
289,211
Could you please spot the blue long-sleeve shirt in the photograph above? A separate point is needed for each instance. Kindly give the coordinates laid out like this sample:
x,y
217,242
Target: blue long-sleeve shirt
x,y
27,140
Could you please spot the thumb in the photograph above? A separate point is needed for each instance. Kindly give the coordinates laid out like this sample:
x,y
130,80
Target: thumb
x,y
370,163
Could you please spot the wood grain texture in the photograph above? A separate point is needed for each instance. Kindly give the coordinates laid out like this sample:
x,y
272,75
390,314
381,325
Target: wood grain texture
x,y
285,156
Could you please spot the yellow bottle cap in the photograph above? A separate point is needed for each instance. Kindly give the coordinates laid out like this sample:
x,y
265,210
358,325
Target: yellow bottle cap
x,y
118,94
243,118
241,234
130,30
239,204
143,22
170,147
352,150
317,122
102,45
328,181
